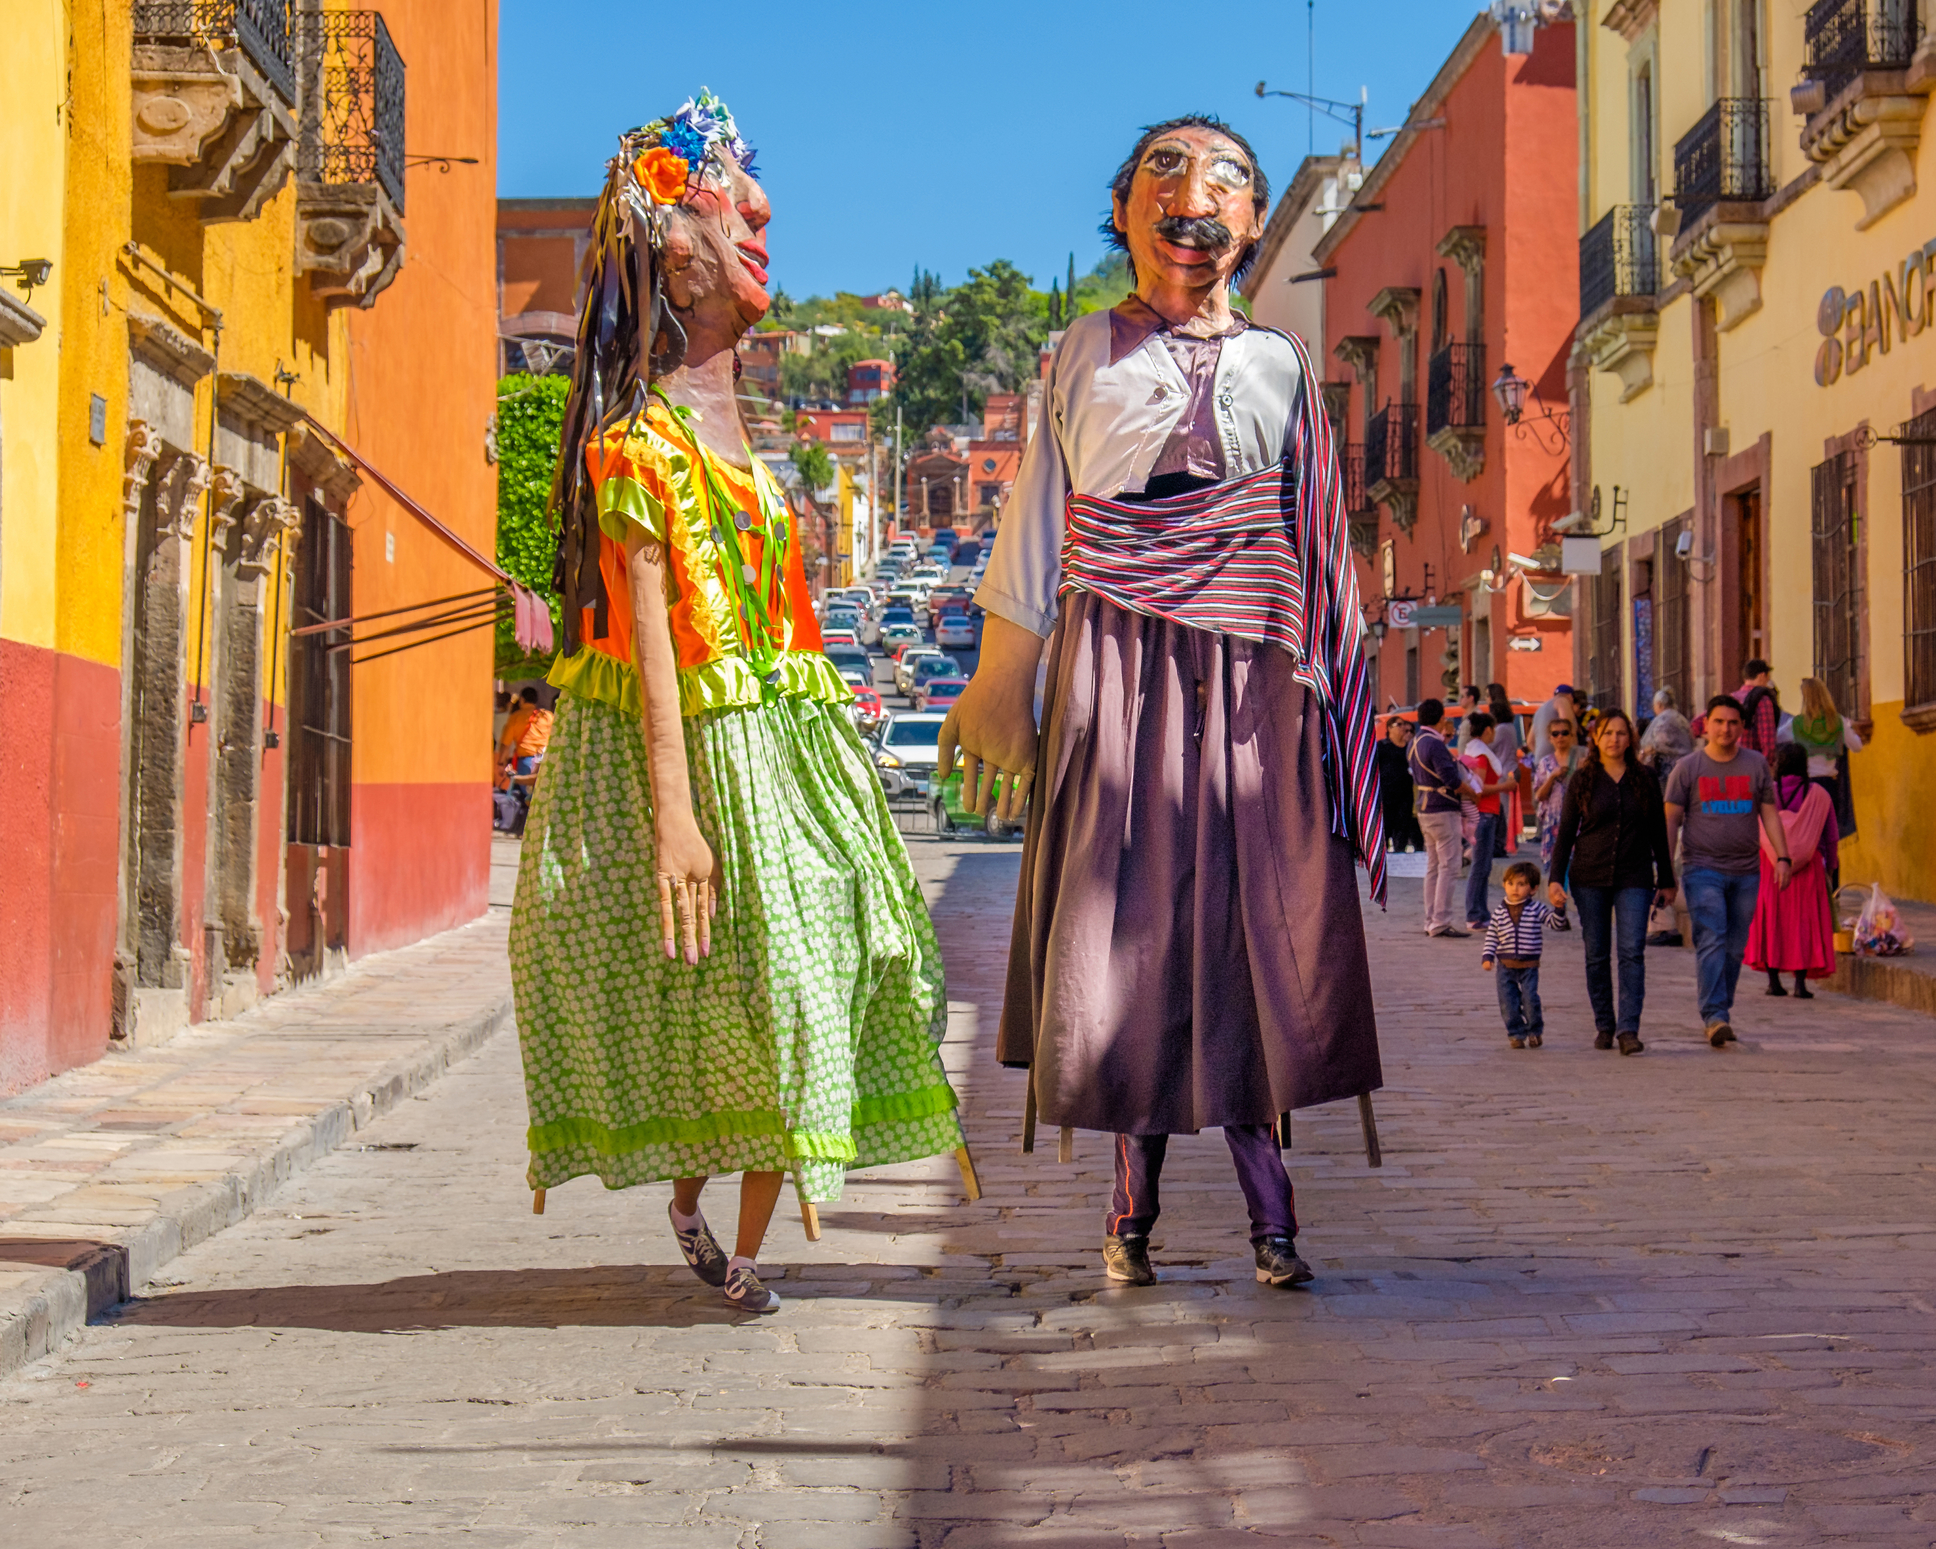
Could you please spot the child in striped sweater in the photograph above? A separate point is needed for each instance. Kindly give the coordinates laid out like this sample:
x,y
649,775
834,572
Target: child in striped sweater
x,y
1514,940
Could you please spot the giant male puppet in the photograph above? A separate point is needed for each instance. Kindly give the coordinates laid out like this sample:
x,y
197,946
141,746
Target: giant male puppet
x,y
1188,950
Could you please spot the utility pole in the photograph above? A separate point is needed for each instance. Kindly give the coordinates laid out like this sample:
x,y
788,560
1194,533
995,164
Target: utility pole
x,y
900,468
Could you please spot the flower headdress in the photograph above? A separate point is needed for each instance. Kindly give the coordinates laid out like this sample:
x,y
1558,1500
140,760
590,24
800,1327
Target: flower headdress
x,y
668,153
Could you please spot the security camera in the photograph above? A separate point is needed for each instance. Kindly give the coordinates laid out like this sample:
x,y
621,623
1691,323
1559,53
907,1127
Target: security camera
x,y
1684,545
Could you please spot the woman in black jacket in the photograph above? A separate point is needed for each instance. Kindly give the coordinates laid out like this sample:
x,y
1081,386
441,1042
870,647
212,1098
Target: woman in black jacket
x,y
1611,853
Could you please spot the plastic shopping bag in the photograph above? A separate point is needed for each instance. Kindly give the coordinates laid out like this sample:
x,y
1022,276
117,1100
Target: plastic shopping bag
x,y
1878,929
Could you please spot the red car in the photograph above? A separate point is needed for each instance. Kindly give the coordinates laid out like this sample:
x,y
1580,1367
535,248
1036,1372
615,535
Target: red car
x,y
867,709
938,693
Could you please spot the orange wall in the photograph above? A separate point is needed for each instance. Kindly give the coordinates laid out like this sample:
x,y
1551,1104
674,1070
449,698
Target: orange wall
x,y
422,390
1506,161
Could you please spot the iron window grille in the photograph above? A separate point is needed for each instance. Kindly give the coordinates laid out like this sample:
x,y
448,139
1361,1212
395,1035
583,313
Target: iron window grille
x,y
1603,660
320,684
1352,467
1391,445
1618,257
260,28
353,112
1672,598
1724,156
1845,37
1919,560
1837,579
1455,389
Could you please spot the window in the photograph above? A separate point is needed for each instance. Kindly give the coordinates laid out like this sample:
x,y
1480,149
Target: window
x,y
1837,583
1643,636
1671,593
1439,320
848,433
1603,658
1919,562
319,684
1644,189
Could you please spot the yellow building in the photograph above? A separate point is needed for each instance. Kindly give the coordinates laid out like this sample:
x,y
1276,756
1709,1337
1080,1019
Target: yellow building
x,y
1755,379
217,191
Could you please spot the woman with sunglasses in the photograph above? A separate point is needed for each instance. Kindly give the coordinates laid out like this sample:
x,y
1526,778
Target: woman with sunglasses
x,y
1550,775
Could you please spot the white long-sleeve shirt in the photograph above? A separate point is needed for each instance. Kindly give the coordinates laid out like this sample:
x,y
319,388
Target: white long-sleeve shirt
x,y
1103,427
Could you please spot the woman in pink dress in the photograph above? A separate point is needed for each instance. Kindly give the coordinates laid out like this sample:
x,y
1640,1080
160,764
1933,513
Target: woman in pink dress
x,y
1794,930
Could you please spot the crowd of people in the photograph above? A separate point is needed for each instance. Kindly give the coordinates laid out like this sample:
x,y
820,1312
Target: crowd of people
x,y
1730,822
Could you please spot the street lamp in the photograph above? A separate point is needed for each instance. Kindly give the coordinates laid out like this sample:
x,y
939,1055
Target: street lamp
x,y
1510,389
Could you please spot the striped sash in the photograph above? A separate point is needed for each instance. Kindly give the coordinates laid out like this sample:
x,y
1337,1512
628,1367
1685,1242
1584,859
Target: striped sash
x,y
1264,558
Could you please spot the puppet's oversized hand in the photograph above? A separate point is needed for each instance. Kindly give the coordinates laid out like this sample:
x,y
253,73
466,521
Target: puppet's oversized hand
x,y
993,722
689,879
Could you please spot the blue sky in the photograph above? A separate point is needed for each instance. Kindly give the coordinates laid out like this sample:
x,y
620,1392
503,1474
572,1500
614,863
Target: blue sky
x,y
945,136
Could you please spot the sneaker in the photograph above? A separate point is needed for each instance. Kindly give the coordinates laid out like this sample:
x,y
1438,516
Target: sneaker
x,y
744,1291
1630,1043
1603,1041
1278,1263
1517,1043
702,1251
1720,1033
1127,1259
1533,1040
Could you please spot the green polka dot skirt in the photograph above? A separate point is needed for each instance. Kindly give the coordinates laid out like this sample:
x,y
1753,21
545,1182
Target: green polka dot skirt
x,y
809,1042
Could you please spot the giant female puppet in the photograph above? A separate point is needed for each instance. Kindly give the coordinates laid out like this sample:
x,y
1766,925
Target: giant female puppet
x,y
721,957
1188,950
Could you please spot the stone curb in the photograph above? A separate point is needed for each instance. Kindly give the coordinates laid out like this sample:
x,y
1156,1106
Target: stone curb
x,y
1886,979
36,1316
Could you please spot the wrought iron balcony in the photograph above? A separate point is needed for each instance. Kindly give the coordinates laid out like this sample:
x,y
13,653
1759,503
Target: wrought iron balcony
x,y
1455,389
260,28
1618,257
1845,37
1391,446
353,114
1723,157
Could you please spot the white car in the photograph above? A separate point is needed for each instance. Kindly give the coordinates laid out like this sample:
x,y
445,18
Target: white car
x,y
931,573
955,632
907,751
904,668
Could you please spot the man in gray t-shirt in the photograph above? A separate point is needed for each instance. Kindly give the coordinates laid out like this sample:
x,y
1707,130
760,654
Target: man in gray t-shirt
x,y
1720,800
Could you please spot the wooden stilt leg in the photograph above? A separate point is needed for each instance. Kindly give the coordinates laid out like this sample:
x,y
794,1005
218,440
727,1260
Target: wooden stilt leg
x,y
1283,1132
1065,1150
810,1219
970,1184
1028,1118
1373,1156
537,1202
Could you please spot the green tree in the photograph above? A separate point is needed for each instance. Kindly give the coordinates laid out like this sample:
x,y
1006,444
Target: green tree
x,y
530,412
815,466
982,337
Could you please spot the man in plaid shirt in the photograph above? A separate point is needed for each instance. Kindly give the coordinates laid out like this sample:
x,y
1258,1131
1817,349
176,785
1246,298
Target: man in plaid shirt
x,y
1760,709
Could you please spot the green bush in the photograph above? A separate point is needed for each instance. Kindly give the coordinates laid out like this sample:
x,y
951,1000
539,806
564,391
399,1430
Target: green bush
x,y
530,411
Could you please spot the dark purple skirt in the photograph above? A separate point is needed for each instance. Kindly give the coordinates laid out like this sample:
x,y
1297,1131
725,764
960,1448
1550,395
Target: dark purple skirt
x,y
1188,948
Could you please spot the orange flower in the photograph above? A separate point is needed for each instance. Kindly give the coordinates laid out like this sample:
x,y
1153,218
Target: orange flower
x,y
663,173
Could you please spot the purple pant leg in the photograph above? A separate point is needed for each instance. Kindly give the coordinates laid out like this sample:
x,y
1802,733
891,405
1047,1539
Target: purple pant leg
x,y
1135,1202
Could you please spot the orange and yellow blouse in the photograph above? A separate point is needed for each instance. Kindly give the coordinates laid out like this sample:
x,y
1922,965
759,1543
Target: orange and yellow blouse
x,y
743,629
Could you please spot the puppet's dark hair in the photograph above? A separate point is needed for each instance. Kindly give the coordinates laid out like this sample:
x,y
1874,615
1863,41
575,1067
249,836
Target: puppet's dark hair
x,y
1126,175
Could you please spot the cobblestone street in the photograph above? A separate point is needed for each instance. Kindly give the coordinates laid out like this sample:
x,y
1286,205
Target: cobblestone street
x,y
1681,1298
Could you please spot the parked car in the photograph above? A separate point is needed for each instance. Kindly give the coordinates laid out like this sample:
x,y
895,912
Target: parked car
x,y
932,574
907,661
944,802
896,613
839,637
967,553
955,632
906,752
938,693
926,668
941,554
868,711
844,656
896,638
847,619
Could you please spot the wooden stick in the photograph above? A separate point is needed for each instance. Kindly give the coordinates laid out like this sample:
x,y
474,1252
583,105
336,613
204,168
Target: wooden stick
x,y
970,1184
537,1202
1373,1156
1065,1150
810,1219
1284,1131
1028,1118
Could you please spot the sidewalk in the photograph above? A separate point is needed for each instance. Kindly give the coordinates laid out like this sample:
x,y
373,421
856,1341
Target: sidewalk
x,y
109,1171
1908,981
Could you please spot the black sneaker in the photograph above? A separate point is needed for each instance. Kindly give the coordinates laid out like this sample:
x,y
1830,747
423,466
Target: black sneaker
x,y
1127,1259
702,1251
1278,1263
1603,1041
744,1291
